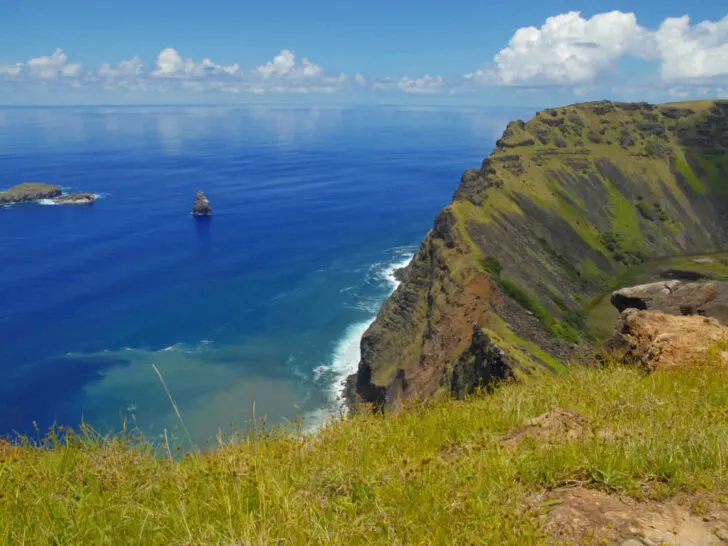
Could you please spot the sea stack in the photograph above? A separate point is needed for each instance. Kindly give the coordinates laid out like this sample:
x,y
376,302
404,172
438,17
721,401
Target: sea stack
x,y
202,205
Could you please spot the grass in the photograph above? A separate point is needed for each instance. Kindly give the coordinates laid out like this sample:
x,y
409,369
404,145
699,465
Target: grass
x,y
434,473
556,327
567,329
687,173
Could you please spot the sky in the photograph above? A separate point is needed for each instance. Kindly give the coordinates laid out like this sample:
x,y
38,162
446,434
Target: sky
x,y
515,52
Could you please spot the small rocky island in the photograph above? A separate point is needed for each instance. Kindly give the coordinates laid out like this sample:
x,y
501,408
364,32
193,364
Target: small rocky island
x,y
202,205
33,191
76,199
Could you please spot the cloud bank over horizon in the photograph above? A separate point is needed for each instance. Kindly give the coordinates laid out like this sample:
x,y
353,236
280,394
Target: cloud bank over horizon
x,y
608,54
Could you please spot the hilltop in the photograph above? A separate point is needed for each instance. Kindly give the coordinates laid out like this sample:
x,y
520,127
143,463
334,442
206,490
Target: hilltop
x,y
510,280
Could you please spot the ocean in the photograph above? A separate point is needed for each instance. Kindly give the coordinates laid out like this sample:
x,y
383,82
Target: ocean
x,y
256,311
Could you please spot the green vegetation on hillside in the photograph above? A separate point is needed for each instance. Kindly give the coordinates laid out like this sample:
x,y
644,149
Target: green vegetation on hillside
x,y
566,204
29,191
444,472
567,329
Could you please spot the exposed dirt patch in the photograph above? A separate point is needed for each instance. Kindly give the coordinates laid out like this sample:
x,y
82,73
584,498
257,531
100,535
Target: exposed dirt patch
x,y
584,516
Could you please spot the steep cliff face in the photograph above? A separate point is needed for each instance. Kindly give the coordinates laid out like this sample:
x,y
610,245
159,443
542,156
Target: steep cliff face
x,y
566,202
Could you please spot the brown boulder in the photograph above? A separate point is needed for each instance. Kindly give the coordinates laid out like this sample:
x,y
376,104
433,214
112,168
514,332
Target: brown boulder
x,y
675,297
657,340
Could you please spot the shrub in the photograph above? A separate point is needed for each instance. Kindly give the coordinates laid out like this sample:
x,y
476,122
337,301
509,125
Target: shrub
x,y
645,210
492,266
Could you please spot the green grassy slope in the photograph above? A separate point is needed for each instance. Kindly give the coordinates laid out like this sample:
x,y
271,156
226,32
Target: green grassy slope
x,y
436,473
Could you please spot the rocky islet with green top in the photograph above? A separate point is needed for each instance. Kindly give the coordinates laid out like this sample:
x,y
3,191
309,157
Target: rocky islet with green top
x,y
34,191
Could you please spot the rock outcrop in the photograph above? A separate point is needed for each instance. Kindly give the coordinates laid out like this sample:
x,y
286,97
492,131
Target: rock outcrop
x,y
29,191
202,205
34,191
76,199
565,203
480,366
676,298
656,340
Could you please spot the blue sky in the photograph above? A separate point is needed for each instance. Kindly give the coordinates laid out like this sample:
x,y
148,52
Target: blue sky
x,y
513,52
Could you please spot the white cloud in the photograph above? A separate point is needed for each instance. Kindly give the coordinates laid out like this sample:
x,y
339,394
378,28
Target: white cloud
x,y
10,70
568,49
134,67
284,65
281,64
310,69
172,72
384,84
700,51
55,66
361,80
571,50
283,74
426,84
171,64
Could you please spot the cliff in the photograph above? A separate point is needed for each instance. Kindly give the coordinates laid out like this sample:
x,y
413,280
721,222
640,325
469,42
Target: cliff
x,y
567,202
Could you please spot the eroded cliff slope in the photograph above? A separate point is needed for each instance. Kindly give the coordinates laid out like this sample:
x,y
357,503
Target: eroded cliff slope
x,y
567,201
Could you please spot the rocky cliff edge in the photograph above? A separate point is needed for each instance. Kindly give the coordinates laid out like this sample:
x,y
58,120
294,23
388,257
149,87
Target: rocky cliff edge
x,y
565,203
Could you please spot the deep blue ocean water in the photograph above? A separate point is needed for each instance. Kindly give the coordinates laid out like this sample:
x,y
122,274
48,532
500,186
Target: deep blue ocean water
x,y
263,303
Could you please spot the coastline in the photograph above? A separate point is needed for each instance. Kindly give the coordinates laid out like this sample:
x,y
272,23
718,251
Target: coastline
x,y
347,353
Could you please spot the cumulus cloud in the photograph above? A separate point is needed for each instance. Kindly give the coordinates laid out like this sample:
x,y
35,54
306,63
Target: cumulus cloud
x,y
173,72
55,66
281,64
700,51
134,67
171,64
284,74
310,69
10,70
427,84
579,55
383,84
284,65
569,49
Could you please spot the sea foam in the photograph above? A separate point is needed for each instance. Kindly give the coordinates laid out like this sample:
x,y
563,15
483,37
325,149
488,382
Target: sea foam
x,y
347,351
52,202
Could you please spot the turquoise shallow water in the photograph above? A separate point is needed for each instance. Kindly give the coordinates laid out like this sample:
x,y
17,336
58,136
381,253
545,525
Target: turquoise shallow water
x,y
264,303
